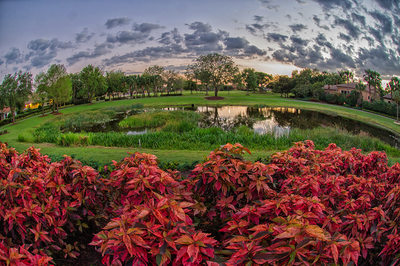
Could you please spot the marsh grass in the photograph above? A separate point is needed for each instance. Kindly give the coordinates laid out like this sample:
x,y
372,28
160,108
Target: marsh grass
x,y
78,122
209,138
157,119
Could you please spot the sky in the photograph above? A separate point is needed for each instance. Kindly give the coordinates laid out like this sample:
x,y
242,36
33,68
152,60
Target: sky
x,y
273,36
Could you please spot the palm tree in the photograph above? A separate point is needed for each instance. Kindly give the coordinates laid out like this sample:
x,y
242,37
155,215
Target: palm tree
x,y
373,79
347,75
394,86
360,87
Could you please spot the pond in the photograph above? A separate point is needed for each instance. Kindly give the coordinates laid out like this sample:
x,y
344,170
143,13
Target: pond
x,y
280,120
275,120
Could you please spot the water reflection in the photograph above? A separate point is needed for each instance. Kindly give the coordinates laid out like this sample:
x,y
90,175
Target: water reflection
x,y
280,120
137,132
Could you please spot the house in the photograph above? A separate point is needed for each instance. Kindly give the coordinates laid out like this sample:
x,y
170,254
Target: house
x,y
388,98
370,93
4,113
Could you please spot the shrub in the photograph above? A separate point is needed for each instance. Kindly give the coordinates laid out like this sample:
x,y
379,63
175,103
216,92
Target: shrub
x,y
45,204
306,206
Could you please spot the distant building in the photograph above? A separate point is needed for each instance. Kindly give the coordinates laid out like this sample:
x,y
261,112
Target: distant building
x,y
370,93
4,113
388,98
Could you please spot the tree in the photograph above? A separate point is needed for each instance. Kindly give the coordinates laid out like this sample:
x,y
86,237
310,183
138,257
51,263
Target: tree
x,y
215,69
373,79
57,84
394,85
283,85
238,81
347,75
41,94
263,79
115,81
155,77
14,91
132,82
63,91
250,79
77,93
179,83
93,82
360,87
169,77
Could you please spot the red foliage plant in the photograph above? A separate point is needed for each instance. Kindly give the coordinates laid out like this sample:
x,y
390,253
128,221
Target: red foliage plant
x,y
43,203
305,207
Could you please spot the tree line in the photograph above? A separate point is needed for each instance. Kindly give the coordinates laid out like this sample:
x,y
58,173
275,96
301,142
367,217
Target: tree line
x,y
211,72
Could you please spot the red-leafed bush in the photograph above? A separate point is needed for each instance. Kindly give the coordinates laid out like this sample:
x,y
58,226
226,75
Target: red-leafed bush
x,y
21,256
226,182
306,207
152,225
45,204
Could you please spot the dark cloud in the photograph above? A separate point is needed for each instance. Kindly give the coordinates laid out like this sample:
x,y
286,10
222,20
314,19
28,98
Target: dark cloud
x,y
322,41
258,18
41,45
317,22
13,56
170,37
297,27
359,18
98,51
124,37
340,60
344,37
377,34
380,58
116,22
1,62
203,39
236,43
44,59
389,4
330,4
253,50
200,27
238,46
146,27
350,27
385,22
269,4
276,37
83,36
297,41
147,54
43,52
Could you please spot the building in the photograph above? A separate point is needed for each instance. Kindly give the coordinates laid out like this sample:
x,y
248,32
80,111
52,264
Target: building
x,y
370,93
388,98
4,113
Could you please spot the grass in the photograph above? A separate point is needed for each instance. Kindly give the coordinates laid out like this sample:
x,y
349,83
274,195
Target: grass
x,y
158,119
105,155
209,138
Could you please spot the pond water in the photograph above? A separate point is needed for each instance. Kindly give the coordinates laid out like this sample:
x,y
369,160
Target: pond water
x,y
279,121
276,120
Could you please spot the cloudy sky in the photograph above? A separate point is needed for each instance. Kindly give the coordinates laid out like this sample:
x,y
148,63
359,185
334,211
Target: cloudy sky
x,y
275,36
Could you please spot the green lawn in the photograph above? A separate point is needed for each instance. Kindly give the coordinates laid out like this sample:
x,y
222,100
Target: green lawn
x,y
105,155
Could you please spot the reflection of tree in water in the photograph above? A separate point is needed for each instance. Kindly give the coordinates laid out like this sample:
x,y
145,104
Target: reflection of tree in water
x,y
269,118
257,113
297,119
211,118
